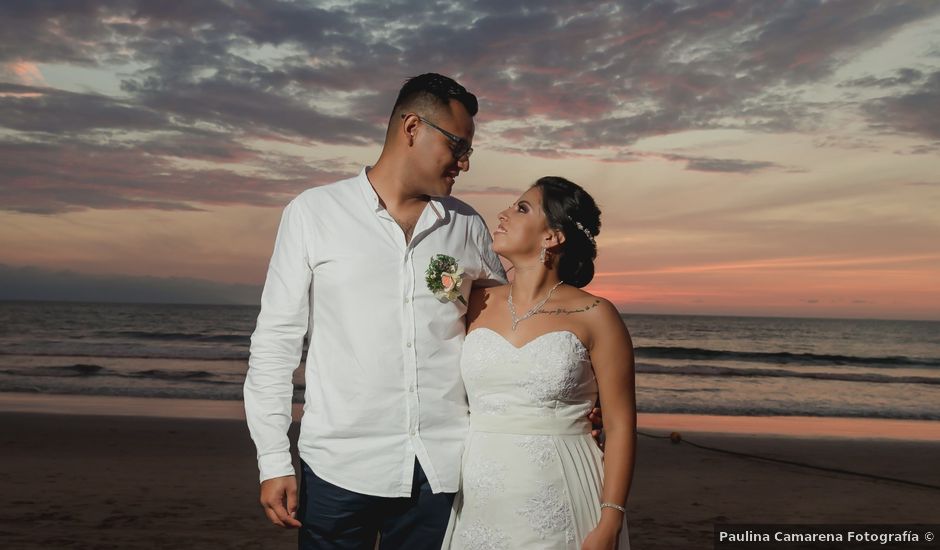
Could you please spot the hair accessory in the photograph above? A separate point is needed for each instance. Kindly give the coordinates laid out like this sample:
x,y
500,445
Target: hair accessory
x,y
586,231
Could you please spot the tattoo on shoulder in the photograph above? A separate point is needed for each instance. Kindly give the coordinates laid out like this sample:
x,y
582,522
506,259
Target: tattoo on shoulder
x,y
563,311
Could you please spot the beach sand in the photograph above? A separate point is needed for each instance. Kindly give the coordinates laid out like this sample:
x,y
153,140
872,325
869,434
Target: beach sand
x,y
128,482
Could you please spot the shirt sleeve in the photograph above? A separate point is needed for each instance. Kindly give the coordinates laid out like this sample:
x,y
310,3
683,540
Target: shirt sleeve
x,y
493,272
277,345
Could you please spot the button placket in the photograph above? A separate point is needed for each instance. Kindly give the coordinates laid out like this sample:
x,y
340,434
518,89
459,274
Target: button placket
x,y
410,370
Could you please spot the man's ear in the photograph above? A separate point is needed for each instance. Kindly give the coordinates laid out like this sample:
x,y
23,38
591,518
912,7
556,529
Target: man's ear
x,y
409,127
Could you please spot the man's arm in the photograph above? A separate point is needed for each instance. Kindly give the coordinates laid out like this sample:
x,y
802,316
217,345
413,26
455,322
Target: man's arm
x,y
276,348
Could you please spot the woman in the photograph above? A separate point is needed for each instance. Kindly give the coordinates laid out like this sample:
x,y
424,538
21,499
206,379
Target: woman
x,y
538,352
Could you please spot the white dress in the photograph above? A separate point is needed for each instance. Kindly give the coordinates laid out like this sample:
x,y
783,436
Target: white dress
x,y
532,473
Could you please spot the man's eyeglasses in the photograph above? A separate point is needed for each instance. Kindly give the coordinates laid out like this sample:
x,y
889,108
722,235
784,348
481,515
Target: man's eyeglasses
x,y
460,147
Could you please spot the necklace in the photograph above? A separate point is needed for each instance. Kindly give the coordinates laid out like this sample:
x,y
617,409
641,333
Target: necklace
x,y
535,309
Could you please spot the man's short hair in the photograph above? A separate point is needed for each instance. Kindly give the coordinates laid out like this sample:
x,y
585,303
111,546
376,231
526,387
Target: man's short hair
x,y
430,91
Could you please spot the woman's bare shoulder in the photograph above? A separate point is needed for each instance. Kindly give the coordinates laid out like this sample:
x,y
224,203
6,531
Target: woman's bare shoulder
x,y
482,298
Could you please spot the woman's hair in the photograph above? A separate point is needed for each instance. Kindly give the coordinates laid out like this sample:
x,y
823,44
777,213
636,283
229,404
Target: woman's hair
x,y
571,210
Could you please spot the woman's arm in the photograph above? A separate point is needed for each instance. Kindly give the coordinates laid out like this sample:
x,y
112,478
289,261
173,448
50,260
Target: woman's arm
x,y
612,357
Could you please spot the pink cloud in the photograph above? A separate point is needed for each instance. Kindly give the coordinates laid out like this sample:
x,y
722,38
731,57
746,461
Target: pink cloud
x,y
806,58
804,262
25,73
637,34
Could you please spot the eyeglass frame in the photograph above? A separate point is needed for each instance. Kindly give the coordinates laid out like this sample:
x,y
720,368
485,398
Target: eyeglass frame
x,y
458,141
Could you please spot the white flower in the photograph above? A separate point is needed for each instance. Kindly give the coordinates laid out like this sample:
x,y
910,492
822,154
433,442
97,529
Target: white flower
x,y
451,283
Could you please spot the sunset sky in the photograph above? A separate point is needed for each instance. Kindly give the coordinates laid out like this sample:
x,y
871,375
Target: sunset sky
x,y
750,158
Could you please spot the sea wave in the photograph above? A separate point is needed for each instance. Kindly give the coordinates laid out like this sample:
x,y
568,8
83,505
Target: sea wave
x,y
713,370
89,370
782,357
132,352
76,370
178,336
736,409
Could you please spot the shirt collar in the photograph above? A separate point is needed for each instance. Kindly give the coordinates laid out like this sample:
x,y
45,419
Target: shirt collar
x,y
368,193
372,198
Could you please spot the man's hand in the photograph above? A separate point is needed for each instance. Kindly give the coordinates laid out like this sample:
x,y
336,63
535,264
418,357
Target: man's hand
x,y
279,500
597,426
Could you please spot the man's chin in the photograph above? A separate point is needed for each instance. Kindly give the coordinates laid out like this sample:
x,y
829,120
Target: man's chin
x,y
447,187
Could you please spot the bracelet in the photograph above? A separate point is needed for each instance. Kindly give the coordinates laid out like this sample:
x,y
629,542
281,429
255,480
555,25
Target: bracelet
x,y
614,506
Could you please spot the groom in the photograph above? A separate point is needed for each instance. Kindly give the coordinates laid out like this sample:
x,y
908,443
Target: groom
x,y
385,410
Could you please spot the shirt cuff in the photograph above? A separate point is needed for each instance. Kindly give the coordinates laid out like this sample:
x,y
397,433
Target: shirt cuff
x,y
275,465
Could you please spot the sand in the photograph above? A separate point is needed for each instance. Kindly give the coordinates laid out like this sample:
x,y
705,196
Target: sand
x,y
123,481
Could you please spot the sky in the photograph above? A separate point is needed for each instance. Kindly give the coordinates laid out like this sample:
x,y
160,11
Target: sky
x,y
774,158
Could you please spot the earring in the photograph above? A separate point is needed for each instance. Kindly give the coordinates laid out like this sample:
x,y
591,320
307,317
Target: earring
x,y
542,255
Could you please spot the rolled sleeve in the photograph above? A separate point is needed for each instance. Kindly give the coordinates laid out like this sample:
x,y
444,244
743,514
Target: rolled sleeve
x,y
277,345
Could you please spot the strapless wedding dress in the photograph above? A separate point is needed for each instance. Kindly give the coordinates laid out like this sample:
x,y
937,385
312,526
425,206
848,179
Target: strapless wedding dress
x,y
532,473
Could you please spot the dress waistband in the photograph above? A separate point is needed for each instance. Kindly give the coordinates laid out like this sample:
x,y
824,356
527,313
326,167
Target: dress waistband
x,y
529,425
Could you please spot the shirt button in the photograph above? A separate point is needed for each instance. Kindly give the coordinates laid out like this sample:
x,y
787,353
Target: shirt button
x,y
407,300
408,344
411,388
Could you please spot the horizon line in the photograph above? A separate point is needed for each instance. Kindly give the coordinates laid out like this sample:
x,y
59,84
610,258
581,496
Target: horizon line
x,y
619,310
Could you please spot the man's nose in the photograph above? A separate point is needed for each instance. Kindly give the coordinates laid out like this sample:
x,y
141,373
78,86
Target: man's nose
x,y
464,164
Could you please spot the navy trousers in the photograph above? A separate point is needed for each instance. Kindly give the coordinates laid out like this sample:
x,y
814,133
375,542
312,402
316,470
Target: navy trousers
x,y
336,518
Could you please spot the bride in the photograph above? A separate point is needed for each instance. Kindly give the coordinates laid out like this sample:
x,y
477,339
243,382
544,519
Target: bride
x,y
537,354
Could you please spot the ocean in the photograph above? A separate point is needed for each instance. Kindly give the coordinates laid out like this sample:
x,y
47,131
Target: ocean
x,y
737,366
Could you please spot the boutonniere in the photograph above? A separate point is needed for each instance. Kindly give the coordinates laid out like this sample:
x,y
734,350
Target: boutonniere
x,y
444,278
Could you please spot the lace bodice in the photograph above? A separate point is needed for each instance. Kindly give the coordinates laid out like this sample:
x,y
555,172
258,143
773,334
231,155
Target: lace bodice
x,y
550,375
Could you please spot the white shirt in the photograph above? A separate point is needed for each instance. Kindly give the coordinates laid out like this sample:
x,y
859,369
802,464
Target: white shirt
x,y
383,382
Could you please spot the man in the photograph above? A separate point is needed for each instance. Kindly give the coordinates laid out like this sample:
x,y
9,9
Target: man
x,y
385,410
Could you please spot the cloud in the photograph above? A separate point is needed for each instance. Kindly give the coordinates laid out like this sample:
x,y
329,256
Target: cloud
x,y
47,178
903,76
785,263
34,283
23,72
912,113
705,164
920,149
863,143
555,59
43,109
728,165
555,79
